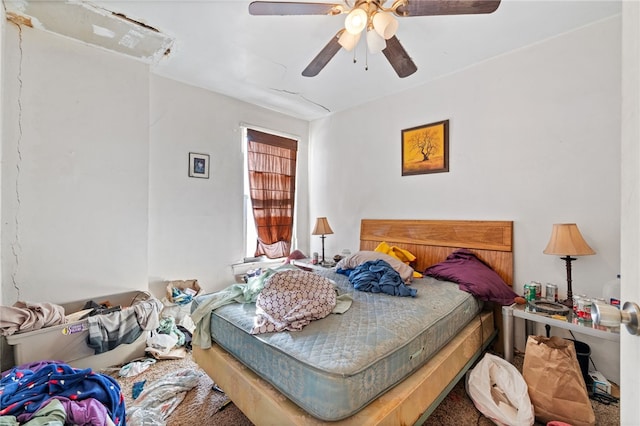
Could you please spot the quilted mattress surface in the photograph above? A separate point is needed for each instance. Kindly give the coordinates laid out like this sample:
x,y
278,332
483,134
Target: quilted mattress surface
x,y
337,365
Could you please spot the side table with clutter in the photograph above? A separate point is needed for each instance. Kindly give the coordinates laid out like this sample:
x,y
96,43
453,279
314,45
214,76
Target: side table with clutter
x,y
546,355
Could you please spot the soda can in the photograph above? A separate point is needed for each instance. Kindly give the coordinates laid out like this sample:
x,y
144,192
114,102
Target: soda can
x,y
529,292
584,309
538,289
551,292
576,301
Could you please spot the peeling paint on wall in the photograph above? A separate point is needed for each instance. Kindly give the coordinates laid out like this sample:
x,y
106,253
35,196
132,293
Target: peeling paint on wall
x,y
93,25
19,19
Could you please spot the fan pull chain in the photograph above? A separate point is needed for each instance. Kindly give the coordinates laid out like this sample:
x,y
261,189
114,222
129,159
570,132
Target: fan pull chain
x,y
366,59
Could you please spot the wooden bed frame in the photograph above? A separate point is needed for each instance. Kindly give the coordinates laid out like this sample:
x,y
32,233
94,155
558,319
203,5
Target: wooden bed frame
x,y
414,399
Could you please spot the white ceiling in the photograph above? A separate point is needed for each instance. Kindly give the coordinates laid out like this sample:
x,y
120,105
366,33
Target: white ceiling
x,y
259,59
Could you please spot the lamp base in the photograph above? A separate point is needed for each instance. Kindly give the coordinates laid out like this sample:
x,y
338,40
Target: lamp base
x,y
568,303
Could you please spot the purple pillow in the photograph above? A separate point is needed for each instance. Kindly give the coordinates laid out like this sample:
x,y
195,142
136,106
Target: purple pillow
x,y
473,276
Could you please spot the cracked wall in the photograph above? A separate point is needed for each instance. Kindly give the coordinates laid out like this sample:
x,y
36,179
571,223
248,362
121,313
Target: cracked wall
x,y
75,169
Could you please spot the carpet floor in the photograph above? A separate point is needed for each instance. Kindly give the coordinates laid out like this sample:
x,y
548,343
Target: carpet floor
x,y
203,405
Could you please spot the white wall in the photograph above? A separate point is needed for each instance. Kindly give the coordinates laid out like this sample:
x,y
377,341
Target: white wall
x,y
75,170
196,225
534,138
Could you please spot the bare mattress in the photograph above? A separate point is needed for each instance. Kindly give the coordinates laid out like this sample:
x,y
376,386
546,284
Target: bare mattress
x,y
335,366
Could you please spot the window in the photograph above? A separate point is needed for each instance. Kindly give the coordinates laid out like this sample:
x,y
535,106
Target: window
x,y
270,187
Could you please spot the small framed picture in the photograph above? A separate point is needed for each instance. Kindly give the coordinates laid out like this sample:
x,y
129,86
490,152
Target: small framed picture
x,y
198,165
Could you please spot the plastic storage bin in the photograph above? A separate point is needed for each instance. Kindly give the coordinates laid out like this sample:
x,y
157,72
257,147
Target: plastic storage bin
x,y
68,342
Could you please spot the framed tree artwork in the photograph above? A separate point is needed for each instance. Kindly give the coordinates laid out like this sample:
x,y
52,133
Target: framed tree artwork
x,y
425,149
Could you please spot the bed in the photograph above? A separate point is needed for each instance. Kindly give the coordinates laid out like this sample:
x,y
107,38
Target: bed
x,y
269,378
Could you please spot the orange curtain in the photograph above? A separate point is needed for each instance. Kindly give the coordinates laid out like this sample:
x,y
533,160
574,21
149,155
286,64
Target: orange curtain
x,y
272,180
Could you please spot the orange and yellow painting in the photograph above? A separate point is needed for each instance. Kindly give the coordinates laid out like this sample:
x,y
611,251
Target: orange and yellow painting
x,y
425,149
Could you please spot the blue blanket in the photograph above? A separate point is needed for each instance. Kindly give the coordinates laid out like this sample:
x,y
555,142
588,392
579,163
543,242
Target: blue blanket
x,y
377,276
24,391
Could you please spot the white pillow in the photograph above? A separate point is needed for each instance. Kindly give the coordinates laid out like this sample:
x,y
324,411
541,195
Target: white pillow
x,y
358,258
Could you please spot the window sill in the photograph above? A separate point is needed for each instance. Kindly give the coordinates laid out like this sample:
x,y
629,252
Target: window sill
x,y
240,269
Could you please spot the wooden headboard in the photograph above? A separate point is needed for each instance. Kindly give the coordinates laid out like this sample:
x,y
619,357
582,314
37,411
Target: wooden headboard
x,y
431,241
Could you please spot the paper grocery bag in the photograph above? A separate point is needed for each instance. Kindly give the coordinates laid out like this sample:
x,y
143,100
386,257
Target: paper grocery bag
x,y
556,386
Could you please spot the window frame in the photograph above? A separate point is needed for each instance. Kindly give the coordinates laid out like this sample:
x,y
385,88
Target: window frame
x,y
249,233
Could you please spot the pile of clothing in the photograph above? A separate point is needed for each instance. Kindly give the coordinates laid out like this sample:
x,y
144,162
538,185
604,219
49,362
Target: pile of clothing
x,y
28,316
54,393
108,331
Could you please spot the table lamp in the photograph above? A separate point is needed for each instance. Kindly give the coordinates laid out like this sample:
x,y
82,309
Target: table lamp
x,y
322,228
567,241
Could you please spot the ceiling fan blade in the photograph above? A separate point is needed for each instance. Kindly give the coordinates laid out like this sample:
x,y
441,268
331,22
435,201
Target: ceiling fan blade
x,y
293,8
447,7
399,58
323,58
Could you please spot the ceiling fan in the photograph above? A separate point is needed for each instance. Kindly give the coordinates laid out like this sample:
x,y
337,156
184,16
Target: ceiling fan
x,y
378,22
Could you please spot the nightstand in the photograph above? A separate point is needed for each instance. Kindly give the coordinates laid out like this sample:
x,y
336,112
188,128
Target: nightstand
x,y
306,263
530,318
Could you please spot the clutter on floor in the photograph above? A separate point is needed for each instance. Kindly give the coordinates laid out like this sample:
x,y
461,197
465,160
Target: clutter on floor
x,y
133,330
83,396
499,391
160,398
83,334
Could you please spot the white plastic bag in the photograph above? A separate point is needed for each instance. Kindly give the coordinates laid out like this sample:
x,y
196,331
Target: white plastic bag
x,y
159,344
499,391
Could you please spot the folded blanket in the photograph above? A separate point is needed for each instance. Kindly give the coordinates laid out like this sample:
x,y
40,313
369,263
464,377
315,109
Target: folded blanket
x,y
377,276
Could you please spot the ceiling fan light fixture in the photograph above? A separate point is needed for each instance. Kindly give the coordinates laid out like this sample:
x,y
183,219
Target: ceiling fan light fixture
x,y
375,42
356,21
385,24
348,41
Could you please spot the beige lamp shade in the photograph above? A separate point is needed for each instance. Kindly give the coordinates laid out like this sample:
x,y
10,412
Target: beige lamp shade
x,y
566,240
348,41
385,24
375,42
356,21
322,227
